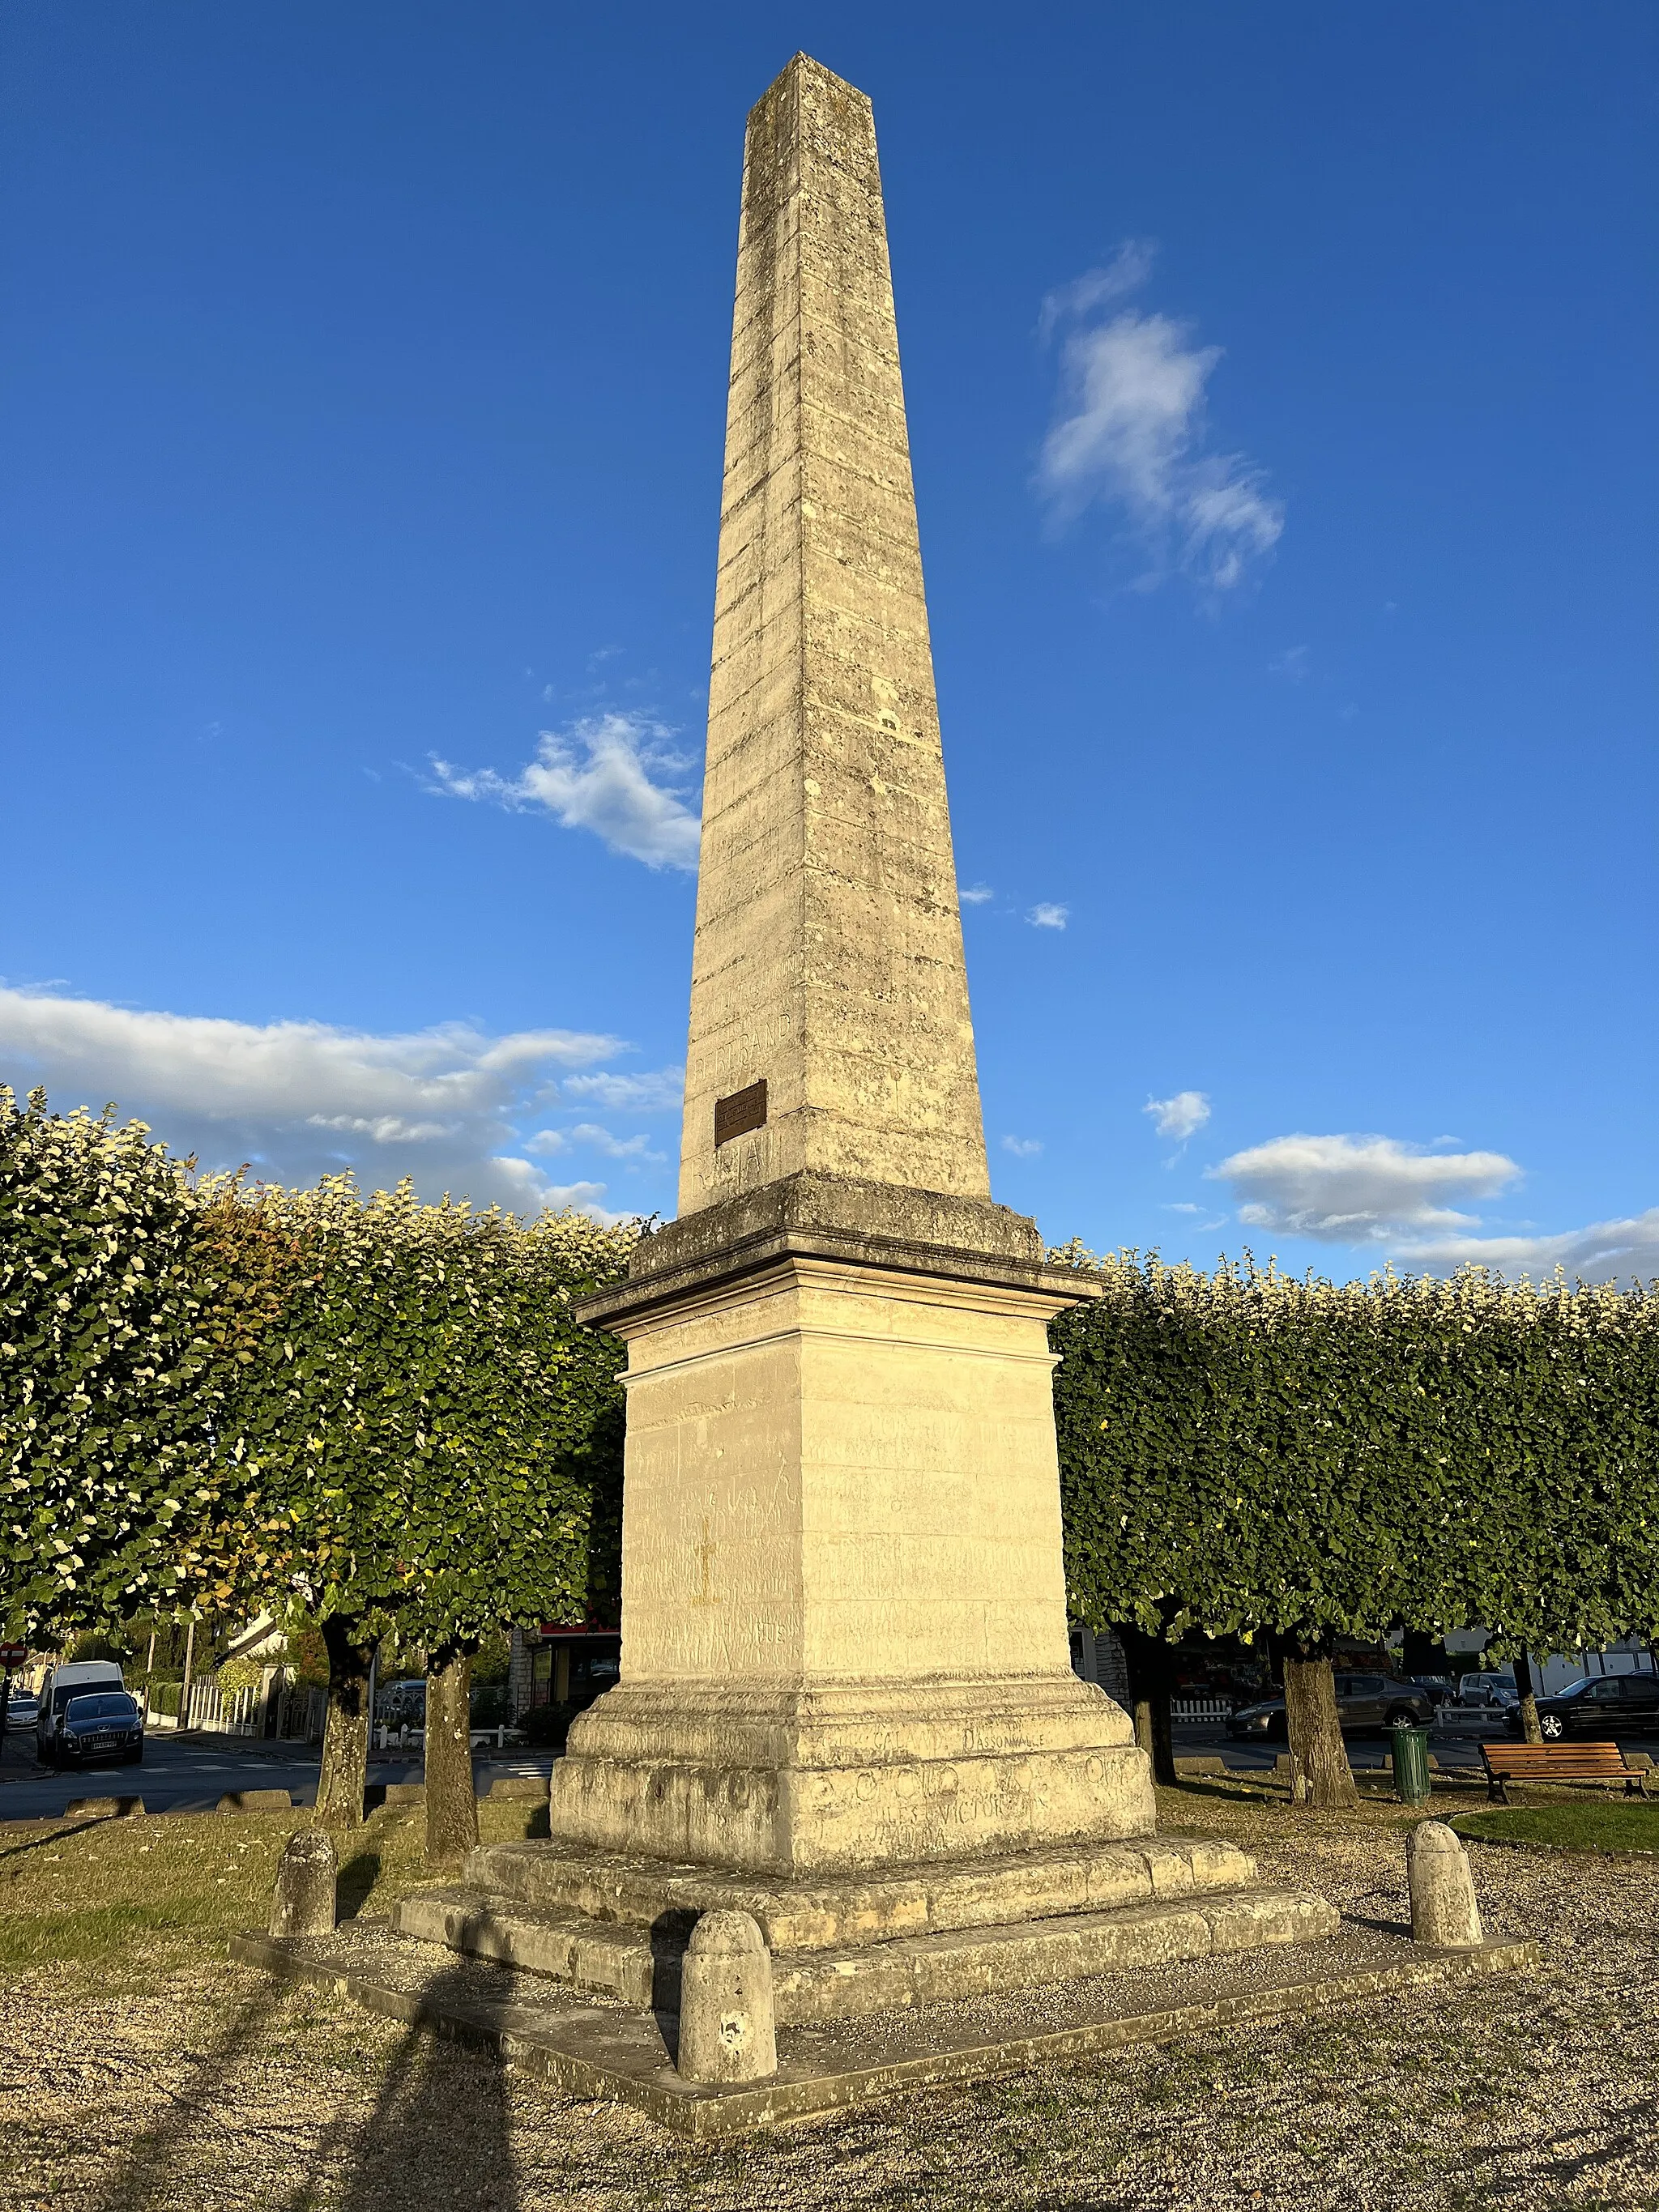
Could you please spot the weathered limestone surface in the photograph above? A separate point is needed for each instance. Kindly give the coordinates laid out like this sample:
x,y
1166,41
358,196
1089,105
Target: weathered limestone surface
x,y
1444,1909
646,1966
303,1900
844,1638
828,957
844,1610
817,1913
727,2032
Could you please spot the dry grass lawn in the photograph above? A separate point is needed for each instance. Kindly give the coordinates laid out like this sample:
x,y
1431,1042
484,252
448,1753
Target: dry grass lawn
x,y
142,2070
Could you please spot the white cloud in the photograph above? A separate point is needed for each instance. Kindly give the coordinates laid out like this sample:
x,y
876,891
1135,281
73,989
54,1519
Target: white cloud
x,y
976,895
1357,1189
1599,1254
1127,272
601,775
1046,914
1023,1148
662,1091
1130,431
1179,1117
299,1099
589,1134
1293,663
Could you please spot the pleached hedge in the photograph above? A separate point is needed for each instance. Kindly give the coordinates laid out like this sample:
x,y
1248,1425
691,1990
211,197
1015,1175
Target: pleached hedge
x,y
223,1397
1244,1451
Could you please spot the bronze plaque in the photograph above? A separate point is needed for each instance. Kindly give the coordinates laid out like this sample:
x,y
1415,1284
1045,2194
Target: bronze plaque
x,y
744,1109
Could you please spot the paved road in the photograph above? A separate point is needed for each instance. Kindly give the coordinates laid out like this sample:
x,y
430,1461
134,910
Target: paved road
x,y
189,1774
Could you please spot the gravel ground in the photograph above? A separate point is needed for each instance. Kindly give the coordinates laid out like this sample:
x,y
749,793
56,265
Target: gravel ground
x,y
214,2087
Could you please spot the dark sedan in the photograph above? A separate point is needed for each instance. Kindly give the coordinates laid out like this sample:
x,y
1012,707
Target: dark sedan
x,y
105,1728
1363,1701
1607,1705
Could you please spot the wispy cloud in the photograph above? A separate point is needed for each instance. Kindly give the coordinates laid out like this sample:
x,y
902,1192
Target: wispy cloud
x,y
1359,1189
1398,1198
662,1091
298,1099
1023,1148
1127,272
1179,1117
1046,914
612,773
1293,664
1605,1251
590,1136
976,895
1130,431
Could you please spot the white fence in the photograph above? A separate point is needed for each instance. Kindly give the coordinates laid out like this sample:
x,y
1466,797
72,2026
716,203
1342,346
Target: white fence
x,y
1200,1709
241,1713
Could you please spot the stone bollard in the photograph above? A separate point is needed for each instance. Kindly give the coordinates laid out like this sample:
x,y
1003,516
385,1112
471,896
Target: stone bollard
x,y
302,1902
1444,1910
726,2031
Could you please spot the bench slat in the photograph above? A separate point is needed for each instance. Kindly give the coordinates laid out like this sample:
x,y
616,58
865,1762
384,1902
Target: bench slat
x,y
1558,1762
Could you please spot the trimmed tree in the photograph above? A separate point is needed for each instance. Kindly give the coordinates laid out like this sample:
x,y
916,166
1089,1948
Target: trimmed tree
x,y
112,1321
429,1426
1248,1453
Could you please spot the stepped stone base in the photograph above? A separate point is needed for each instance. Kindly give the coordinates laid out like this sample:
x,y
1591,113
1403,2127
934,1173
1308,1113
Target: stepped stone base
x,y
790,1782
820,1914
641,1966
906,1936
585,2046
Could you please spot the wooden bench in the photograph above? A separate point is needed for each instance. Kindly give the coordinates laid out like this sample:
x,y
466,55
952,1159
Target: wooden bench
x,y
1592,1764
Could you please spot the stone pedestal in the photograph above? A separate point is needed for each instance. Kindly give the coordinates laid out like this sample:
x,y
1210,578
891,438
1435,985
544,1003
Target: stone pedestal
x,y
844,1637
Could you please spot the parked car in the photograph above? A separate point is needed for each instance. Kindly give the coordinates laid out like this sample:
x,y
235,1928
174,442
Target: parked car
x,y
22,1709
69,1680
103,1728
1607,1706
1440,1689
1363,1701
1485,1691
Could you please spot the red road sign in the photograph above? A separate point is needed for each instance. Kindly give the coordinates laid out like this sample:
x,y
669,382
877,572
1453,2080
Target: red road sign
x,y
14,1655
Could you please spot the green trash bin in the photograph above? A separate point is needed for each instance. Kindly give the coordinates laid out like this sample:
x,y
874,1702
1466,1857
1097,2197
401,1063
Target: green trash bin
x,y
1411,1764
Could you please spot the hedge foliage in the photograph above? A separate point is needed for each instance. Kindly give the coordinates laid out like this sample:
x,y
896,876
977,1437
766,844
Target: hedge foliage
x,y
212,1395
1244,1451
108,1384
431,1439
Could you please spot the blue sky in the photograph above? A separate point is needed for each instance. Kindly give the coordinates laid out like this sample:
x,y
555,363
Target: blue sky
x,y
1280,383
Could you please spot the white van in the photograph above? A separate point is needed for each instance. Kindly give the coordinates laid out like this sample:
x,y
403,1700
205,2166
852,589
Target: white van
x,y
62,1683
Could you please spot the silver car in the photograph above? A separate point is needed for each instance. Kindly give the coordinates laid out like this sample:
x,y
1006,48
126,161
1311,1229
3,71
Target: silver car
x,y
22,1710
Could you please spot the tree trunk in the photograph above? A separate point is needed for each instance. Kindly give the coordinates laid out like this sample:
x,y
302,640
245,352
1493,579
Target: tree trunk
x,y
343,1774
1314,1727
451,1803
1527,1687
1152,1672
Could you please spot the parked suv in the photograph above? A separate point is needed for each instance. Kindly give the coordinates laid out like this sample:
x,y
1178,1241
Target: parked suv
x,y
1363,1701
72,1679
103,1728
1607,1706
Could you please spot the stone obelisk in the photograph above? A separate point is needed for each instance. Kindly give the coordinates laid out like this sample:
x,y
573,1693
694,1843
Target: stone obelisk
x,y
844,1634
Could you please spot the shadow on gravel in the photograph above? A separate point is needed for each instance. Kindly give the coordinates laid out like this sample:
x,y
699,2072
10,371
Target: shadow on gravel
x,y
439,2136
147,2180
